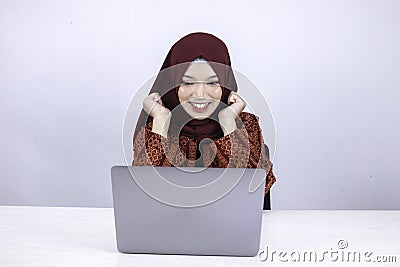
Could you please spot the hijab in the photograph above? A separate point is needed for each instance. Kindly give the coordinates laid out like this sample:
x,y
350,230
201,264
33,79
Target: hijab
x,y
168,80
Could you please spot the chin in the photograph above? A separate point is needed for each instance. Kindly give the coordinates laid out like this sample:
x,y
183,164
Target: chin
x,y
198,116
202,117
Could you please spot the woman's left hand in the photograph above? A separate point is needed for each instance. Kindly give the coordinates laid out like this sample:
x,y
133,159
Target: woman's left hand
x,y
227,116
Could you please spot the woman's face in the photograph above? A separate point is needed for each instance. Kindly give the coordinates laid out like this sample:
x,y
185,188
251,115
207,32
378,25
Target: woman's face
x,y
200,91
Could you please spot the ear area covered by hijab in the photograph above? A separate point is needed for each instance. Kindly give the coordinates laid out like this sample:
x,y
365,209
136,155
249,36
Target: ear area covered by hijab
x,y
186,50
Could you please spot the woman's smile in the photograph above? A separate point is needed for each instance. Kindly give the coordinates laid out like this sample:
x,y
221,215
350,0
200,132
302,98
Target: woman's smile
x,y
200,106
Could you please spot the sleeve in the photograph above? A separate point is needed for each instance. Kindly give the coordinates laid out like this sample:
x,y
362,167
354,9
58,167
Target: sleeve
x,y
151,149
244,148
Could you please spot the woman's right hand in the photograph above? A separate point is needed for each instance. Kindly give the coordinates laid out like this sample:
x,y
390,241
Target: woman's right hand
x,y
153,106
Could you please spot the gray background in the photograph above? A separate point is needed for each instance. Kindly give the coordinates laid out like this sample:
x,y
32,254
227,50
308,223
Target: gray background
x,y
328,69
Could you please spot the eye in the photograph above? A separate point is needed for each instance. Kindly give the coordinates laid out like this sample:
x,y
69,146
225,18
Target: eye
x,y
187,83
213,83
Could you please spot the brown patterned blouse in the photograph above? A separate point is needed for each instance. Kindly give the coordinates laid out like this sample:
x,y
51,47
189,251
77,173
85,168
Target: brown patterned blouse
x,y
240,149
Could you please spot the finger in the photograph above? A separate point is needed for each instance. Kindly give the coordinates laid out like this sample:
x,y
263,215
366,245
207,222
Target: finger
x,y
238,99
231,98
153,94
239,104
156,97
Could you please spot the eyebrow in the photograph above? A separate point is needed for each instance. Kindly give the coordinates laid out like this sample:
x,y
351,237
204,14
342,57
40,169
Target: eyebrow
x,y
193,78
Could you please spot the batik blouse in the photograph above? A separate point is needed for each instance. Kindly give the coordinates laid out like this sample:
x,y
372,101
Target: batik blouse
x,y
243,148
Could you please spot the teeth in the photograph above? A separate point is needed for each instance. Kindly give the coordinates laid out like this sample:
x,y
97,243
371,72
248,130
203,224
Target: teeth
x,y
198,105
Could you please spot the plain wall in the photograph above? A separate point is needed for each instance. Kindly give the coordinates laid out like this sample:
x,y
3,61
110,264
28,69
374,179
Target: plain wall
x,y
329,70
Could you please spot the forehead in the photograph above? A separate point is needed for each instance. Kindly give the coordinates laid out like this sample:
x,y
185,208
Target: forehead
x,y
200,71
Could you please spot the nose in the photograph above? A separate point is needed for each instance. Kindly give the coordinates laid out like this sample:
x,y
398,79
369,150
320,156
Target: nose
x,y
200,90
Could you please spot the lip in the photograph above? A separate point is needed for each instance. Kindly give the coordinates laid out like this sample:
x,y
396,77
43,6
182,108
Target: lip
x,y
200,107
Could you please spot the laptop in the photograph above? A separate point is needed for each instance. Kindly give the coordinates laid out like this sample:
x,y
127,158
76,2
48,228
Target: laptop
x,y
188,211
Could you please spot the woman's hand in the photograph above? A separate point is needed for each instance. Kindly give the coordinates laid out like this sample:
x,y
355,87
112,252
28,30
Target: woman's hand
x,y
227,116
153,105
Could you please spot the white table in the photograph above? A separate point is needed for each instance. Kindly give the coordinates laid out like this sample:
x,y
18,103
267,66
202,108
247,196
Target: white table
x,y
66,236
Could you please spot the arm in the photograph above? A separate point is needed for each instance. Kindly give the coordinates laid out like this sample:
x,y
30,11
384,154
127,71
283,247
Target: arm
x,y
264,162
148,148
153,149
151,140
244,148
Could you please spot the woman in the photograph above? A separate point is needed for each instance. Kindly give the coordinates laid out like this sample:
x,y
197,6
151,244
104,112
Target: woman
x,y
193,115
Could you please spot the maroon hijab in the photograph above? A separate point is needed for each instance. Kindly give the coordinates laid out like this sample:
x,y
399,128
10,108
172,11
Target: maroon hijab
x,y
167,82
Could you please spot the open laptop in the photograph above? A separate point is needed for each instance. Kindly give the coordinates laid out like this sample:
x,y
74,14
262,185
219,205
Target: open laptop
x,y
191,210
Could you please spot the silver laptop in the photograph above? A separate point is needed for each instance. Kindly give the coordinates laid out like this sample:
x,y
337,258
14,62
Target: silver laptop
x,y
191,210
